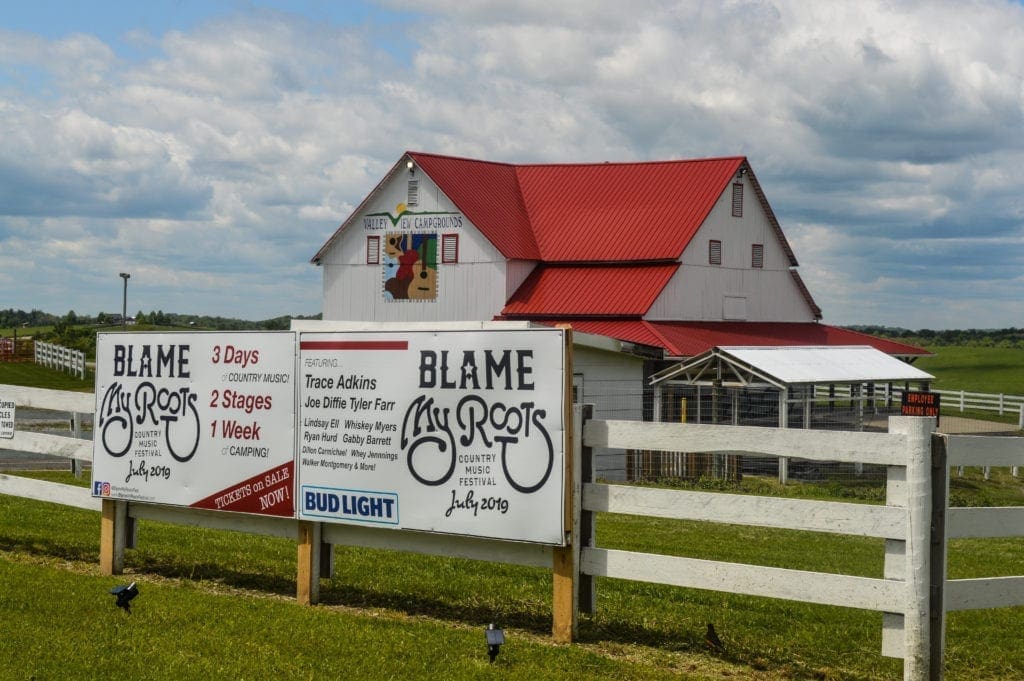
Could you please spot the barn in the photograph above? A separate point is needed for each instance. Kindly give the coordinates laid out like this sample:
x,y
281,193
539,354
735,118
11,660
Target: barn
x,y
650,262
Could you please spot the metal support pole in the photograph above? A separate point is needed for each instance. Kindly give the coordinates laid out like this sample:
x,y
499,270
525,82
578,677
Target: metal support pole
x,y
124,301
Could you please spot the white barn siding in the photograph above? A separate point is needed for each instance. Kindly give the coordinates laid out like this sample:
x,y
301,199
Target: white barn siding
x,y
734,290
612,382
517,271
466,292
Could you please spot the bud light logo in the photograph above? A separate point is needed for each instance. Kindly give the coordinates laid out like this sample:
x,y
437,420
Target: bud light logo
x,y
101,489
346,504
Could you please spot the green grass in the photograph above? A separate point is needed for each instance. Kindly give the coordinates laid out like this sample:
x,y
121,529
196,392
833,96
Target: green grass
x,y
976,369
60,624
36,376
223,603
25,331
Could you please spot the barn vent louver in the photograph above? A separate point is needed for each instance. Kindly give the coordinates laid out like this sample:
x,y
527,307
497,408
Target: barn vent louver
x,y
737,200
715,252
449,248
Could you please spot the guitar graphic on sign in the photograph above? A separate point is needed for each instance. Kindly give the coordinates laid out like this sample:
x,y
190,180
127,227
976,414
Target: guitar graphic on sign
x,y
424,281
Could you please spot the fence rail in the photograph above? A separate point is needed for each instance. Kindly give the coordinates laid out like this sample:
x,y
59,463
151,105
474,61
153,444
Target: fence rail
x,y
952,400
80,405
905,522
60,357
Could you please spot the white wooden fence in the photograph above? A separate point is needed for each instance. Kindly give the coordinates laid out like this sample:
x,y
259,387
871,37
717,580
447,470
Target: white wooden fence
x,y
915,522
958,400
59,357
904,522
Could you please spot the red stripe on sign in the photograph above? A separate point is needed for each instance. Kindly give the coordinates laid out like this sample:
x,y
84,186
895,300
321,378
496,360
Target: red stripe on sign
x,y
266,493
354,345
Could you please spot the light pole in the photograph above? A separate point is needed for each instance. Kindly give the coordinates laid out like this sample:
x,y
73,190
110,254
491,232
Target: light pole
x,y
124,303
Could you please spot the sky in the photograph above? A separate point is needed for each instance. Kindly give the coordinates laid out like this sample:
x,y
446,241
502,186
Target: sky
x,y
210,147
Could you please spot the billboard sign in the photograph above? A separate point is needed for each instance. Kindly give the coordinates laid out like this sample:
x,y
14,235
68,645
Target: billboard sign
x,y
457,432
196,419
7,408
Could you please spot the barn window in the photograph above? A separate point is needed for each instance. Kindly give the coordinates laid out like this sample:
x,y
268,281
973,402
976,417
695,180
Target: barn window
x,y
413,197
373,250
449,248
757,255
737,200
715,252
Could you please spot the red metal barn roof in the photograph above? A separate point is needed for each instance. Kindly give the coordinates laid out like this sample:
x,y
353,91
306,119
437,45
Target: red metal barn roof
x,y
631,331
592,290
615,212
686,339
584,212
689,339
488,194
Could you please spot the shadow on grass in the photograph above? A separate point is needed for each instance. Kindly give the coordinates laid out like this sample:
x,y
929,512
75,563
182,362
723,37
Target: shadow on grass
x,y
524,615
156,565
46,547
211,572
519,614
619,631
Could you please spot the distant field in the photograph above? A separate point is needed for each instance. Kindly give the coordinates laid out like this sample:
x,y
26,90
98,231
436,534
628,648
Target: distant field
x,y
35,376
975,369
25,332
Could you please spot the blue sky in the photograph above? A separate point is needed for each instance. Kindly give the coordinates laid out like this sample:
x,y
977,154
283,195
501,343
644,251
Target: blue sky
x,y
210,148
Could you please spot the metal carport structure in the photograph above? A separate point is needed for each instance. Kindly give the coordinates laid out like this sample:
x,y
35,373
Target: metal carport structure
x,y
826,387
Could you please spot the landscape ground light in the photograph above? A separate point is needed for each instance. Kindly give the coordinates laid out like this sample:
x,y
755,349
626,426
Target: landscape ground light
x,y
495,638
124,595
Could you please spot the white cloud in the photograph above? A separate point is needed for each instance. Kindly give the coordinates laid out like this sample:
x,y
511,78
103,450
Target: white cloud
x,y
886,135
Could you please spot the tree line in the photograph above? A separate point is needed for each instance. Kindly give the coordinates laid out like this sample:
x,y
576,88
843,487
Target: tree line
x,y
989,338
79,331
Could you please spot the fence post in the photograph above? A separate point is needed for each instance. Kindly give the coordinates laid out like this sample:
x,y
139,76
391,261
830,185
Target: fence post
x,y
586,585
917,619
783,423
1020,424
76,432
939,549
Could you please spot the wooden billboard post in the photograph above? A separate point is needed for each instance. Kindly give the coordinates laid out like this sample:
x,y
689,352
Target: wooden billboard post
x,y
307,590
565,559
113,536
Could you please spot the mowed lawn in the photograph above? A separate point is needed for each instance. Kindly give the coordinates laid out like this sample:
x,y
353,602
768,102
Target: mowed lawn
x,y
987,370
222,603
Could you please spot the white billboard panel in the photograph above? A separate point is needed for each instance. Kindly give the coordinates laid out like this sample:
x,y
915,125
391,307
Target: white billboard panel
x,y
196,419
7,410
458,432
